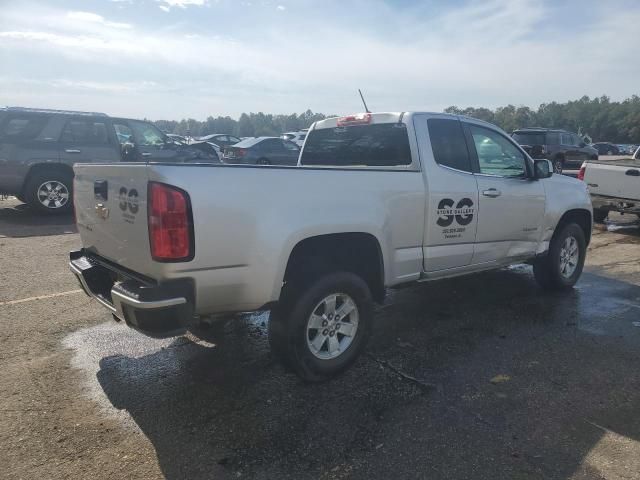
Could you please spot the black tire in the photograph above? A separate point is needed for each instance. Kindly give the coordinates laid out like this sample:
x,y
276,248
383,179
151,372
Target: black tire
x,y
547,269
558,165
33,194
288,325
600,215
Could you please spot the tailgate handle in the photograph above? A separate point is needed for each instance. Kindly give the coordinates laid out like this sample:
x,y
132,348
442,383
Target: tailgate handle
x,y
101,190
632,172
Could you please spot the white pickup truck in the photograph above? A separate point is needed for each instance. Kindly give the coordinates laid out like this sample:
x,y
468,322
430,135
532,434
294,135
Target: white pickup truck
x,y
376,201
614,185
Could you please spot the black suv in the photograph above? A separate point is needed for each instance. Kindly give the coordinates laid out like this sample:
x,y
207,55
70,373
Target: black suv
x,y
564,149
39,147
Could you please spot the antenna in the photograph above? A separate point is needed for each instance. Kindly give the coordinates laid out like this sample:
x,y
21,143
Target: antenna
x,y
366,109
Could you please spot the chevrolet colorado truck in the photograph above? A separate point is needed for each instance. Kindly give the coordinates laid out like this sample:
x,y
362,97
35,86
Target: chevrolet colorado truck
x,y
376,201
614,186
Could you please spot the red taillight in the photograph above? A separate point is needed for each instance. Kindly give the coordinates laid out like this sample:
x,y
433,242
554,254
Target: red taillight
x,y
170,226
359,119
241,152
581,172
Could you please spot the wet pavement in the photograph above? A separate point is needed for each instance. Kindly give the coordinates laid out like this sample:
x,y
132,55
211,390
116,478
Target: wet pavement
x,y
477,377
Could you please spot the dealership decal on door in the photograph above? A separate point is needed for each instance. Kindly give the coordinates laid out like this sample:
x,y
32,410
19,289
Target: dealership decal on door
x,y
448,212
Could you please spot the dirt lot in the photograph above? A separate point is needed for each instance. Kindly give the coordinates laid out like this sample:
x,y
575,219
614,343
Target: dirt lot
x,y
481,377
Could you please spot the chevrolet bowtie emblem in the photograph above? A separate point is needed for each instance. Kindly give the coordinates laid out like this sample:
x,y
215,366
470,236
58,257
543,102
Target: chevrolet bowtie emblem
x,y
102,211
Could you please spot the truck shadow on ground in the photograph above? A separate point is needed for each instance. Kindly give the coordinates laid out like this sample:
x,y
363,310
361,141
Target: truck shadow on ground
x,y
477,377
18,220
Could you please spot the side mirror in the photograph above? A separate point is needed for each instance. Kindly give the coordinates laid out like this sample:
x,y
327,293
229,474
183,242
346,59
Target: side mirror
x,y
542,168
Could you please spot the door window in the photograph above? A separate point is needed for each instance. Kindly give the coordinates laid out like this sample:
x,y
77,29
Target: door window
x,y
565,139
448,144
272,146
124,133
86,132
496,154
146,135
290,146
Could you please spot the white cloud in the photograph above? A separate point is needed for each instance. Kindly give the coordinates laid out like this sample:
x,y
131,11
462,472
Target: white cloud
x,y
182,3
165,8
485,54
90,17
281,8
48,40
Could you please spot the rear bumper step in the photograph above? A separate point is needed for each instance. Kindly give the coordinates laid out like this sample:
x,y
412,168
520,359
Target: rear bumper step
x,y
158,311
622,205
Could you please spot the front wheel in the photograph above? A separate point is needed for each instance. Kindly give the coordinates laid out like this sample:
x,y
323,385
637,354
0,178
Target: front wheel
x,y
558,165
50,191
320,330
561,268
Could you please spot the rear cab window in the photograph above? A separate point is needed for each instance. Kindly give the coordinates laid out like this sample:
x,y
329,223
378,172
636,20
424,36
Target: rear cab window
x,y
373,145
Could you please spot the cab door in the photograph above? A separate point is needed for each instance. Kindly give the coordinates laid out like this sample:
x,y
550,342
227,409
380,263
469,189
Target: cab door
x,y
88,140
452,193
511,205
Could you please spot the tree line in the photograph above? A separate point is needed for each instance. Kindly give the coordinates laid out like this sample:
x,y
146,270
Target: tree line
x,y
600,118
248,125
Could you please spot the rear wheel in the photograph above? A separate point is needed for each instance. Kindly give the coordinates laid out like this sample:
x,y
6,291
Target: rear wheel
x,y
50,191
318,330
558,165
600,215
561,268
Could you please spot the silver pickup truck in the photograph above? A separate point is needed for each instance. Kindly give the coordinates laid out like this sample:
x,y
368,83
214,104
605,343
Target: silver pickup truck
x,y
376,201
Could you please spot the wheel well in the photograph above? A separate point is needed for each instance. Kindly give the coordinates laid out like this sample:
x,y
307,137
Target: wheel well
x,y
579,216
358,253
40,167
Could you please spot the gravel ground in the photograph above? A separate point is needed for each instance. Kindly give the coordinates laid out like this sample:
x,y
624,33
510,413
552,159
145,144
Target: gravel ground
x,y
479,377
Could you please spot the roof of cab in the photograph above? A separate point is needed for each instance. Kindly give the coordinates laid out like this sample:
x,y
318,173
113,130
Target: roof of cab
x,y
393,117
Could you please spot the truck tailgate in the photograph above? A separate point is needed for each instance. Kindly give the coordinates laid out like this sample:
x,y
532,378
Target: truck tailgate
x,y
619,179
111,212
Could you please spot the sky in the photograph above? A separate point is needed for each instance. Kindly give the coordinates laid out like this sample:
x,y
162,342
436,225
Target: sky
x,y
173,59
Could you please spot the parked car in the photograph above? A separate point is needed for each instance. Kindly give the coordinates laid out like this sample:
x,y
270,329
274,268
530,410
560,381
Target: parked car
x,y
222,140
614,186
564,149
295,137
263,151
38,148
378,201
177,138
606,148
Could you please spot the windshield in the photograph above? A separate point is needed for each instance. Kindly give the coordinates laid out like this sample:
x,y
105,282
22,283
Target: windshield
x,y
529,138
146,133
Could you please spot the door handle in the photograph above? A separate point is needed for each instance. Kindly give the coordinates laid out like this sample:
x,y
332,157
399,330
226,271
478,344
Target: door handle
x,y
633,172
146,154
492,192
72,150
